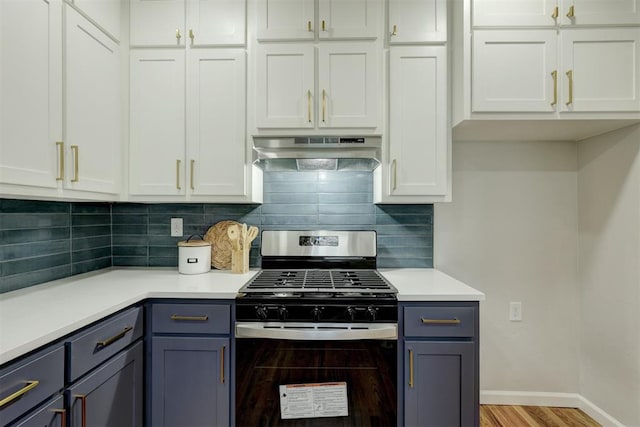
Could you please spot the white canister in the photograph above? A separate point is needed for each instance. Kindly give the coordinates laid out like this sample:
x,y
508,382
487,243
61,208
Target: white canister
x,y
194,257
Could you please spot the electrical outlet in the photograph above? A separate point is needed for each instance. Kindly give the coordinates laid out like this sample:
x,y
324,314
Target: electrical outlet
x,y
515,311
176,227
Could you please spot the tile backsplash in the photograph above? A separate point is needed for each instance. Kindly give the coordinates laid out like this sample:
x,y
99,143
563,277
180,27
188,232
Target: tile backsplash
x,y
42,241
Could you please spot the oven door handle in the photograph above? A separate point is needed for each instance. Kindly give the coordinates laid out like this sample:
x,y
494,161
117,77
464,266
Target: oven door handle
x,y
317,331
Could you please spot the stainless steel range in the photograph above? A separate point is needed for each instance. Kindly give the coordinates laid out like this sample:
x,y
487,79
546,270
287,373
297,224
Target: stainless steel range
x,y
318,315
318,285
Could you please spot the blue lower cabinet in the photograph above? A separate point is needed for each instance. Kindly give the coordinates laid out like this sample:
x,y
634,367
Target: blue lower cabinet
x,y
51,414
439,384
189,381
112,395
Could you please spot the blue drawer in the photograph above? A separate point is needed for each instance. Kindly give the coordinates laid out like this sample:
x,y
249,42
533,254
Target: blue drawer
x,y
191,318
89,348
51,414
28,382
439,321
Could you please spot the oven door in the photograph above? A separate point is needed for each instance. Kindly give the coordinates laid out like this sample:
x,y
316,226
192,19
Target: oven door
x,y
367,367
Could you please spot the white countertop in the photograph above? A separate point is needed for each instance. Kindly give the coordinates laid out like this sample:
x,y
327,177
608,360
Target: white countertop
x,y
37,315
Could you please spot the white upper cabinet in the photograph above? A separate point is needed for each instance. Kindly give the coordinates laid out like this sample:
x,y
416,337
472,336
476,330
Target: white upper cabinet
x,y
105,13
600,69
519,71
285,20
216,22
417,165
348,19
30,92
216,103
506,13
348,86
341,91
167,23
337,19
514,71
285,79
157,23
93,107
157,122
417,21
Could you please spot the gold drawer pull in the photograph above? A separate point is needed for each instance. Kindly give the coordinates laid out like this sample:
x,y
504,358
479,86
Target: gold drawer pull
x,y
18,394
411,368
222,364
114,338
439,321
60,145
190,318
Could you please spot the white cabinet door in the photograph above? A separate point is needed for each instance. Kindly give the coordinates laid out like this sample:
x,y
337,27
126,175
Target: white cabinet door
x,y
418,138
30,91
285,20
106,13
348,19
285,86
216,22
216,121
507,13
513,71
348,85
93,107
605,69
417,21
600,12
157,23
157,129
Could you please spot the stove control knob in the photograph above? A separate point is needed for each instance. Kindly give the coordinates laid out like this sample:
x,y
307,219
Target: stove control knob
x,y
316,313
351,313
261,312
283,313
372,312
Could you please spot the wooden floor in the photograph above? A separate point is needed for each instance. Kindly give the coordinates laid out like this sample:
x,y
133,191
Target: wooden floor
x,y
516,416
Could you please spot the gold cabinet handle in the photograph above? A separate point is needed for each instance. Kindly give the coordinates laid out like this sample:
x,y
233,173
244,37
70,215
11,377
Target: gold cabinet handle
x,y
554,74
570,77
191,35
178,35
410,368
324,26
309,105
105,343
76,154
178,174
440,321
324,104
222,350
60,146
395,30
190,318
309,26
30,386
193,166
394,166
571,12
556,11
83,408
63,416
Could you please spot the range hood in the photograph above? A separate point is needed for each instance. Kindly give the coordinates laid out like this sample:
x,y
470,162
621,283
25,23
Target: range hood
x,y
308,153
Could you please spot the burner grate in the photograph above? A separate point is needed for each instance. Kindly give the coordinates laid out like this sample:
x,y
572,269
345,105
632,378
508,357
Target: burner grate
x,y
319,280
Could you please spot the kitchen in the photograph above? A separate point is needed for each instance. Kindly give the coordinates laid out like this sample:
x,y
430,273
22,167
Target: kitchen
x,y
535,217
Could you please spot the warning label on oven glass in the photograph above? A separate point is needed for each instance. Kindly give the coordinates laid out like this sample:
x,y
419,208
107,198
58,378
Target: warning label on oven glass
x,y
314,400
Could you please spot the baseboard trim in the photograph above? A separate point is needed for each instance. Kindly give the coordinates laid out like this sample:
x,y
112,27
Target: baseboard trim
x,y
536,398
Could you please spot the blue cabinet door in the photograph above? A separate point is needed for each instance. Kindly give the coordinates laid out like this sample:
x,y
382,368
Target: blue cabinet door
x,y
439,386
111,395
52,414
189,381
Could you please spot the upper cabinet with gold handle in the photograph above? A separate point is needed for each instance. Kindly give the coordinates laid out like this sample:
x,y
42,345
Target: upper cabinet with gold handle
x,y
570,87
571,12
60,146
75,152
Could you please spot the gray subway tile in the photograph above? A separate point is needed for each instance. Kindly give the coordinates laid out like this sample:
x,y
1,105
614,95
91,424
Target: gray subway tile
x,y
91,208
347,219
287,176
290,209
21,221
34,235
290,198
163,251
342,209
90,265
129,219
163,262
339,198
90,242
126,261
34,249
129,251
89,254
30,206
176,209
130,208
292,187
91,230
129,240
404,219
27,265
83,219
119,229
307,220
31,278
345,187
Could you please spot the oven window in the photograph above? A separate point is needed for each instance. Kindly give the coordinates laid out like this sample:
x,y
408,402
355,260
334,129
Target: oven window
x,y
368,367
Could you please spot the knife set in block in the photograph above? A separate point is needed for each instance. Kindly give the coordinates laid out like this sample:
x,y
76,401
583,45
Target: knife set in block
x,y
241,238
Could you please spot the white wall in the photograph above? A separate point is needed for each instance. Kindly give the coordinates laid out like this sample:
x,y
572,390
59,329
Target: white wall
x,y
511,232
609,272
